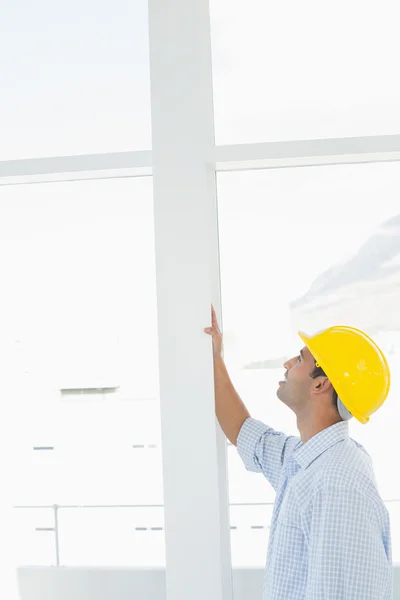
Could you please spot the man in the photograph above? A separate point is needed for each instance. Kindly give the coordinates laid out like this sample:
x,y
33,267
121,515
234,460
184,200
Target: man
x,y
330,533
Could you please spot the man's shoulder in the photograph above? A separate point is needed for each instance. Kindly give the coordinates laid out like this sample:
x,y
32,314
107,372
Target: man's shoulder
x,y
346,454
345,466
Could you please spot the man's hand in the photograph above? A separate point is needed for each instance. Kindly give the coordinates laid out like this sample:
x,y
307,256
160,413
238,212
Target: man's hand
x,y
215,333
230,410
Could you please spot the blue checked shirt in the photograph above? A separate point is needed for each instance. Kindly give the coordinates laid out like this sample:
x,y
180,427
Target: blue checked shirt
x,y
330,532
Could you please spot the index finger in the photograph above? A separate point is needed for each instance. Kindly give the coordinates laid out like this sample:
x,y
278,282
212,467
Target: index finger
x,y
213,317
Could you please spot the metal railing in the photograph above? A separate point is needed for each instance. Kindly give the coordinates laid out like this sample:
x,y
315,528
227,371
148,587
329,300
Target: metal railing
x,y
57,507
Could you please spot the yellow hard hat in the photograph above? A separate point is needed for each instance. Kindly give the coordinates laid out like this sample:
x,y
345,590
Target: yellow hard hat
x,y
355,366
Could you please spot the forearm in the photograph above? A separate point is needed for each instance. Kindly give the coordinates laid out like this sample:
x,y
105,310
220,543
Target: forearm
x,y
229,407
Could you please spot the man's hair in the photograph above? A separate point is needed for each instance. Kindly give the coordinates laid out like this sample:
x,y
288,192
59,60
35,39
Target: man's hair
x,y
319,372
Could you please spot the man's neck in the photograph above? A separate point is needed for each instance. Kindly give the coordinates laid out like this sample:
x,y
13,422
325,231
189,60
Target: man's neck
x,y
310,425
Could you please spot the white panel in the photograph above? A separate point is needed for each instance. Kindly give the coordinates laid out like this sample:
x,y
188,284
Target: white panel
x,y
128,584
225,158
100,165
306,152
195,490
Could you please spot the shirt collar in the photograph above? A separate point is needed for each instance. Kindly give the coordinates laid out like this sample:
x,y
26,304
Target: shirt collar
x,y
306,453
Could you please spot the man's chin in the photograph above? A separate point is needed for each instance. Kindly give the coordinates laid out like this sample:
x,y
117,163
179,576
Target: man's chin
x,y
279,394
282,396
281,387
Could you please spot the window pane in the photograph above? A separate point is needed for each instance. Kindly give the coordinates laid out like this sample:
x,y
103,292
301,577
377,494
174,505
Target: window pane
x,y
103,465
299,70
34,530
249,534
305,249
74,77
112,537
394,511
79,343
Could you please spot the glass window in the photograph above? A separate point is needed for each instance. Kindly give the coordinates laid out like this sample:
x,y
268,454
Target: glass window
x,y
301,70
250,534
35,539
112,537
80,351
74,78
304,249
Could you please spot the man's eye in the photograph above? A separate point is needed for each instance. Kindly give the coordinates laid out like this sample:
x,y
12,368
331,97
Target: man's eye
x,y
299,358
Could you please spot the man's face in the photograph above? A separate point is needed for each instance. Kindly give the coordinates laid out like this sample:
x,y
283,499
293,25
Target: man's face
x,y
295,389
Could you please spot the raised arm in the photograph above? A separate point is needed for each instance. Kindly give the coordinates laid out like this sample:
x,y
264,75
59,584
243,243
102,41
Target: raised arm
x,y
261,448
230,410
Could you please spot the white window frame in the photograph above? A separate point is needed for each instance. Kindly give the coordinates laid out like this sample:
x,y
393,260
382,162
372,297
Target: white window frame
x,y
239,157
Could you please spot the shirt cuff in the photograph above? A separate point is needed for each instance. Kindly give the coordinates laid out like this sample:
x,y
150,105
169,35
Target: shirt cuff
x,y
248,438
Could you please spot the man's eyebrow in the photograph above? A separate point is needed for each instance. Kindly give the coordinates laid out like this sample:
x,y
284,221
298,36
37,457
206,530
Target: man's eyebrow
x,y
302,354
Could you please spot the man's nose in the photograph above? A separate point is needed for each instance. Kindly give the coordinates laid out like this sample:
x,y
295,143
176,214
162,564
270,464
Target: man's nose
x,y
289,363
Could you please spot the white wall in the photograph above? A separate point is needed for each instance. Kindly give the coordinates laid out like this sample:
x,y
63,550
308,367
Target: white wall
x,y
67,583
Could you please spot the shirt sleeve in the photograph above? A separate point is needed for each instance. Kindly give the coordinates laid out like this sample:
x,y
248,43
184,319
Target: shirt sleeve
x,y
264,450
349,548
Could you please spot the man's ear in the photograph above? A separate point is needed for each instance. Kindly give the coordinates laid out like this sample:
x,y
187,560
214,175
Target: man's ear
x,y
322,385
